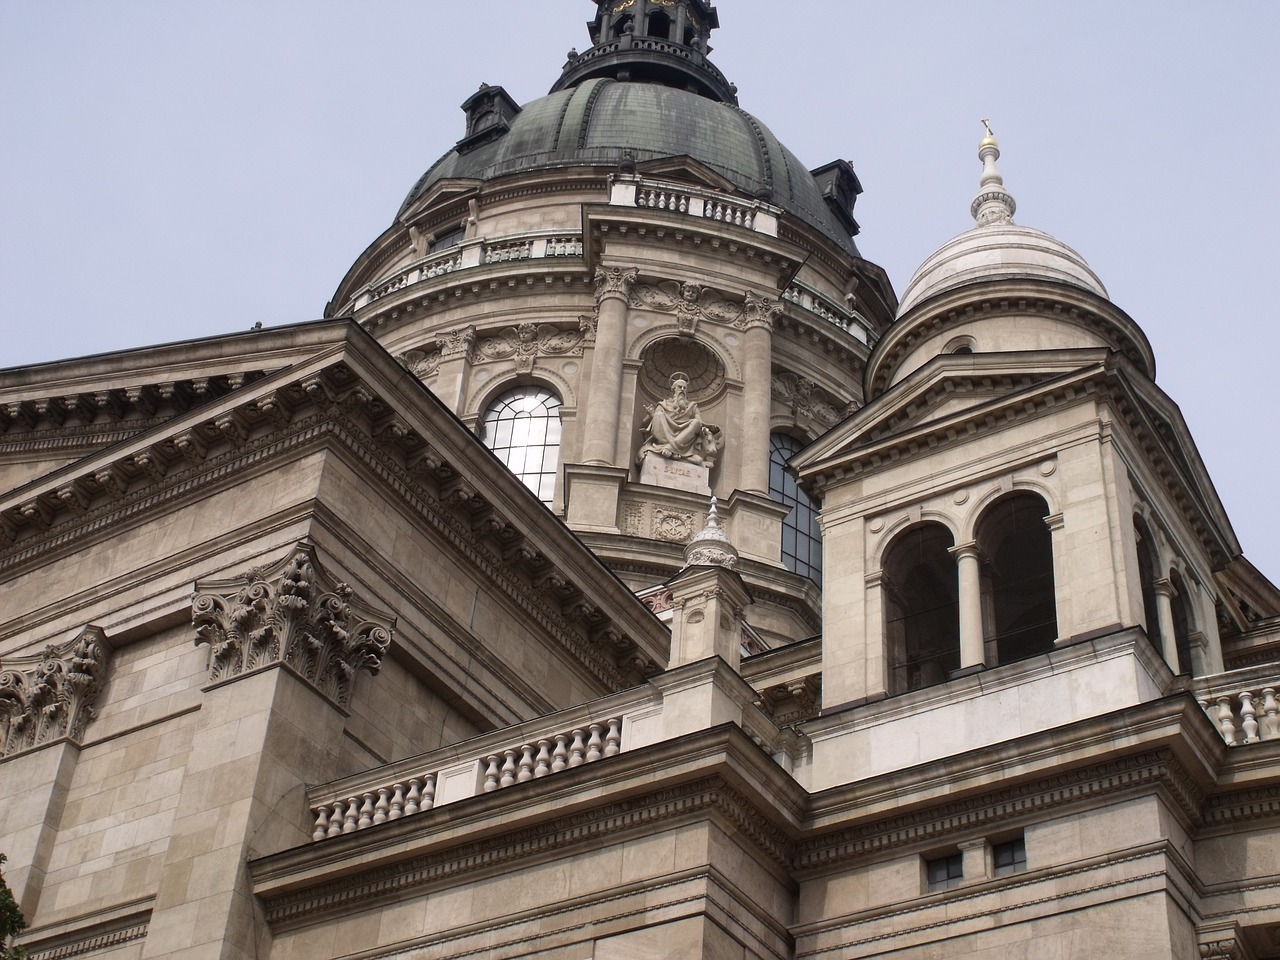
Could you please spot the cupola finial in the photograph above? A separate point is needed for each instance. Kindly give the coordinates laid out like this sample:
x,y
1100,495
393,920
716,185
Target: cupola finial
x,y
993,204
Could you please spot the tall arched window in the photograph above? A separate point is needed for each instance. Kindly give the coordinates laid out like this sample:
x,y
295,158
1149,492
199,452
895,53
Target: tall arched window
x,y
922,608
660,25
801,538
523,428
1019,609
1182,623
1147,578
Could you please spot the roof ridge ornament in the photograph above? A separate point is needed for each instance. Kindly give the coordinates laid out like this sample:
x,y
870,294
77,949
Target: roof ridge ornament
x,y
712,546
993,204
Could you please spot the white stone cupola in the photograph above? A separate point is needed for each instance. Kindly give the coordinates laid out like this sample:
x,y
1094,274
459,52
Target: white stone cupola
x,y
1017,494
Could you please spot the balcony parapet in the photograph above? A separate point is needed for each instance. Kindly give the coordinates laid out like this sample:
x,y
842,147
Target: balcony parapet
x,y
630,190
850,321
673,705
1243,704
472,253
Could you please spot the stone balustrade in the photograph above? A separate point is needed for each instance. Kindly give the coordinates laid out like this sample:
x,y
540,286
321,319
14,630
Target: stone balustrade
x,y
572,748
848,320
1243,704
627,190
472,253
398,800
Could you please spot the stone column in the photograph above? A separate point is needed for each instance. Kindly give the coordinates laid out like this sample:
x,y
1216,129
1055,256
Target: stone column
x,y
972,643
757,391
455,364
600,425
1164,605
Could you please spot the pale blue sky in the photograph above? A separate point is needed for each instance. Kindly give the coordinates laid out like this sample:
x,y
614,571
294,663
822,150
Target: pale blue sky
x,y
179,169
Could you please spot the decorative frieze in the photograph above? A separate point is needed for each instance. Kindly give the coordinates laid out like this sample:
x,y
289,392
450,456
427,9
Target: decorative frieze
x,y
292,615
689,302
456,343
808,401
528,341
47,697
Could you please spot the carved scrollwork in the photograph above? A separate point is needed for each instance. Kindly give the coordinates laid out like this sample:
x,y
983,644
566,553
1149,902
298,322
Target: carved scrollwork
x,y
456,343
527,342
421,363
53,695
690,303
759,311
290,614
808,401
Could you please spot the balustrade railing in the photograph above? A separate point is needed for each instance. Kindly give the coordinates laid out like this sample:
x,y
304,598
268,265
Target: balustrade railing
x,y
1245,716
489,770
847,320
628,190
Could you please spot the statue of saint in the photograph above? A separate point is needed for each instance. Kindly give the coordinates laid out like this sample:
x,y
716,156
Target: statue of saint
x,y
675,428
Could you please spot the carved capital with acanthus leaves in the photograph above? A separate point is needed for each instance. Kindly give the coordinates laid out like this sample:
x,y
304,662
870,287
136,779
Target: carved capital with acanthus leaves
x,y
48,697
759,312
290,615
456,343
615,282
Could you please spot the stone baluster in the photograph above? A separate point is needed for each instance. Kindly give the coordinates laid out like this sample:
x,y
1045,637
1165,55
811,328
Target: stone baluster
x,y
322,823
508,776
560,758
613,739
350,822
526,764
397,802
542,764
1270,714
366,812
383,805
1226,720
413,802
429,792
578,752
595,745
338,819
492,773
1248,717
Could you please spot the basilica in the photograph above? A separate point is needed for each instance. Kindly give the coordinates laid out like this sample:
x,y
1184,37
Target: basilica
x,y
622,570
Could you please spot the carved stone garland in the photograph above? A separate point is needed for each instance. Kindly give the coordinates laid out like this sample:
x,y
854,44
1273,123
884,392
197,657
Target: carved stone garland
x,y
51,696
291,614
527,342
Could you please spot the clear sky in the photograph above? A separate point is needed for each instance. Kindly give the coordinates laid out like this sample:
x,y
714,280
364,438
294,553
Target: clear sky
x,y
179,169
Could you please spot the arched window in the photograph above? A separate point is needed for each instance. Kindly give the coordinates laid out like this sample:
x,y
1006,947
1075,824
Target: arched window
x,y
801,538
1019,611
922,608
660,25
621,24
523,428
1182,623
1147,578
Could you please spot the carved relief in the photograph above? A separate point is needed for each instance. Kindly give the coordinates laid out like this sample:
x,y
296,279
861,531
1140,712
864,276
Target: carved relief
x,y
659,602
633,519
421,363
50,696
674,429
290,614
527,342
688,301
587,324
674,526
807,400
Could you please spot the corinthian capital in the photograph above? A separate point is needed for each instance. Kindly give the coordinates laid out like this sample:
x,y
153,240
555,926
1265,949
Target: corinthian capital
x,y
456,343
759,312
615,282
52,695
294,615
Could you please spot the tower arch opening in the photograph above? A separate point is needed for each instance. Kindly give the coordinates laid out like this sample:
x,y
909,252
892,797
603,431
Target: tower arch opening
x,y
1019,609
922,608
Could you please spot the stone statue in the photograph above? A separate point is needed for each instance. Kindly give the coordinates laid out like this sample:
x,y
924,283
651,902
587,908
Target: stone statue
x,y
675,428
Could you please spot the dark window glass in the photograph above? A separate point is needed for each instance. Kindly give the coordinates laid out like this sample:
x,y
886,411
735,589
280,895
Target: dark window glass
x,y
922,608
1021,617
523,428
801,538
1009,857
945,872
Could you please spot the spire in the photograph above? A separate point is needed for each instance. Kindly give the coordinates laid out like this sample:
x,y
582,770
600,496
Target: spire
x,y
993,204
651,41
711,547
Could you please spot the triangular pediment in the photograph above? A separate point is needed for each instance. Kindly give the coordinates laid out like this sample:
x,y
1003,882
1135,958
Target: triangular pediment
x,y
686,170
944,394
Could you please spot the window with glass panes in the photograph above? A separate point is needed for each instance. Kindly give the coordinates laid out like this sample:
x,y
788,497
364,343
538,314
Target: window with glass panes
x,y
523,428
943,873
1009,857
801,539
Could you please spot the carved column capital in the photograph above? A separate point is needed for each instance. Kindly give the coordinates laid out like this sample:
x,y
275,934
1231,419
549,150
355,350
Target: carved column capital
x,y
294,615
50,696
759,312
456,343
615,282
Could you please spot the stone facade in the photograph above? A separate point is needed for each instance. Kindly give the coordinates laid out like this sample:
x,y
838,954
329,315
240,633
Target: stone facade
x,y
292,667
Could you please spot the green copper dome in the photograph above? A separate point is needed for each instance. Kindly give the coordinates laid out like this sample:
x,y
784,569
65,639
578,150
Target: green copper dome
x,y
602,121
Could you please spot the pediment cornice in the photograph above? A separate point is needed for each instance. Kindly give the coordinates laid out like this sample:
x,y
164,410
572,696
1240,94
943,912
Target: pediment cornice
x,y
354,398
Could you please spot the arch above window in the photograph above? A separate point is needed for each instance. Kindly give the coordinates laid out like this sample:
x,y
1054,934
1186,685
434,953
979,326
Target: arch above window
x,y
522,427
801,536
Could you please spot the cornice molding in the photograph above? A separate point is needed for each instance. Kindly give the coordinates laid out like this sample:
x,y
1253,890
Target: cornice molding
x,y
292,614
53,695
